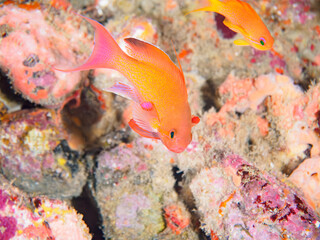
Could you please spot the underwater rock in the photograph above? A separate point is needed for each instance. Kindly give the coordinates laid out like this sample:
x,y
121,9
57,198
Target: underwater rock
x,y
23,217
35,155
8,99
306,178
134,183
34,40
3,109
238,201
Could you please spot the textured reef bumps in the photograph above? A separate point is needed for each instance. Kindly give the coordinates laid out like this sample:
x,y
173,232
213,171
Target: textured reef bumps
x,y
34,152
135,192
275,114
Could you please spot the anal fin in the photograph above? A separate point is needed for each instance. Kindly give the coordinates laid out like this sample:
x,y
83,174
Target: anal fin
x,y
241,42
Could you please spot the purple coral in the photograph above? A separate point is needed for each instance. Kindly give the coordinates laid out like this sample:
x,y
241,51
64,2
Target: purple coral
x,y
269,201
3,199
223,29
8,226
246,203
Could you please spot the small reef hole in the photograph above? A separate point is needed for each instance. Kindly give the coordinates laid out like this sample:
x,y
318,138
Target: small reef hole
x,y
7,89
210,96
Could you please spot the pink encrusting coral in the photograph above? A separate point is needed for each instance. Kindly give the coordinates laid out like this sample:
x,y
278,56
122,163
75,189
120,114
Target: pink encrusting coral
x,y
43,219
307,178
9,224
32,44
239,201
295,111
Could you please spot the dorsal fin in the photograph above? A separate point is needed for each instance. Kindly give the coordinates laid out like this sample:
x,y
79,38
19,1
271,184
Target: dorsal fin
x,y
178,59
146,52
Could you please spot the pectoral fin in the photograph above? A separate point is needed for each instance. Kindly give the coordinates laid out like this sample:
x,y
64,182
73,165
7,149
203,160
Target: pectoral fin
x,y
126,91
146,119
142,132
241,42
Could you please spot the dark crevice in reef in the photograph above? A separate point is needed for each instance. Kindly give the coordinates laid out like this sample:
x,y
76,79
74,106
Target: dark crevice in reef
x,y
181,186
294,163
7,89
210,96
307,80
177,174
87,206
315,7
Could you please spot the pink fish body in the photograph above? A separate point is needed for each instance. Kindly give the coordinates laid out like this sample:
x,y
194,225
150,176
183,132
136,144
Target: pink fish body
x,y
156,86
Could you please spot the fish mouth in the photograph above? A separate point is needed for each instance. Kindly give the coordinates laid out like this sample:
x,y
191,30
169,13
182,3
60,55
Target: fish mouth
x,y
178,150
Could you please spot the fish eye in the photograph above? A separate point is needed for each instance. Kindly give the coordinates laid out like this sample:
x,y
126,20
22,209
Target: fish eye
x,y
172,134
262,41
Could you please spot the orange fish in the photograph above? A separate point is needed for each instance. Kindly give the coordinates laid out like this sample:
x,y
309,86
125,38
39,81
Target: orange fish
x,y
242,18
156,86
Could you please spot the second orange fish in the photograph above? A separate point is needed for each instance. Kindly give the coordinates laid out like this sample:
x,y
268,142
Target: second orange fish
x,y
242,18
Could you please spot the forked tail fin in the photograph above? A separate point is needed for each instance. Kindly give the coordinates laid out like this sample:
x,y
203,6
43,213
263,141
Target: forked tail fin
x,y
105,51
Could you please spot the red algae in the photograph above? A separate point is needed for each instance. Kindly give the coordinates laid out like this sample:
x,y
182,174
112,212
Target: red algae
x,y
175,218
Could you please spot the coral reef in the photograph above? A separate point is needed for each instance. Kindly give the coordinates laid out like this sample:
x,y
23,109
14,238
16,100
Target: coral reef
x,y
250,172
33,149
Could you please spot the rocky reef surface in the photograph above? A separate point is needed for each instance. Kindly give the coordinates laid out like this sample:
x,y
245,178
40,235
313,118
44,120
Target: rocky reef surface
x,y
71,168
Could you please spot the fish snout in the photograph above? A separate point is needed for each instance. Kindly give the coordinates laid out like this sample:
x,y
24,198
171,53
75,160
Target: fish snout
x,y
179,145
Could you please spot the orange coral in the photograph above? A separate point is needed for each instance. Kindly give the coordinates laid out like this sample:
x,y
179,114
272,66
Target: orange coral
x,y
176,218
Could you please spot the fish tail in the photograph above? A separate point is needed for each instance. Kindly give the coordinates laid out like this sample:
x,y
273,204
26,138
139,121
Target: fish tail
x,y
215,6
105,52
